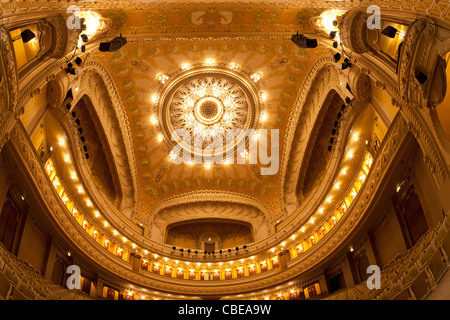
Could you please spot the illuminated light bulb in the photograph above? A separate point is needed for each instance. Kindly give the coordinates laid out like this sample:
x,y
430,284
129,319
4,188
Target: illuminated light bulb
x,y
96,214
344,171
207,165
273,250
155,98
351,249
61,142
51,149
88,203
73,176
355,137
321,210
302,229
283,244
397,189
190,162
80,189
263,117
242,260
263,96
115,232
156,256
66,159
255,137
293,237
312,221
337,186
165,259
350,155
185,66
124,239
256,77
160,138
234,66
105,225
210,62
329,200
266,298
153,119
163,78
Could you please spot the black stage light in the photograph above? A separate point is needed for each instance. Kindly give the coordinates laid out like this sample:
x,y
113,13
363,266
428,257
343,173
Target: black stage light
x,y
335,44
229,250
83,48
85,148
331,140
389,31
80,130
74,114
84,37
337,57
333,34
347,99
339,115
82,139
196,252
181,250
220,251
113,45
329,148
174,248
245,247
68,106
26,36
303,42
205,251
77,121
79,61
333,132
421,77
335,23
87,156
237,248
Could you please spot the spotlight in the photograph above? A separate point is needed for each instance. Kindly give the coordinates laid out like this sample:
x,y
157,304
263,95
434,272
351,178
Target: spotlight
x,y
333,34
343,107
72,71
347,99
344,66
196,252
68,106
86,156
84,37
303,42
189,250
83,48
389,31
85,148
181,250
80,130
333,132
331,140
337,57
74,114
212,252
420,76
82,139
113,45
229,250
82,24
77,121
339,115
79,61
335,44
335,23
237,248
220,251
205,251
174,248
245,247
26,36
329,148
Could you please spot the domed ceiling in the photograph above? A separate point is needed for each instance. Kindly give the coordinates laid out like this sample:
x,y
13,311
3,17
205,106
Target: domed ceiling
x,y
242,51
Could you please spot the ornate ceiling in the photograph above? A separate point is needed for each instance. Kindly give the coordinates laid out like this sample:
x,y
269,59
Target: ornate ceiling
x,y
252,38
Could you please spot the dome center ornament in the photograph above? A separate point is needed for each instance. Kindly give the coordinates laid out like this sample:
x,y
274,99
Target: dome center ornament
x,y
208,101
208,110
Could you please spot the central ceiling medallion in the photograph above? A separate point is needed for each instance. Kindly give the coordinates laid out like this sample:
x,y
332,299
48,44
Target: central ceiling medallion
x,y
208,110
209,101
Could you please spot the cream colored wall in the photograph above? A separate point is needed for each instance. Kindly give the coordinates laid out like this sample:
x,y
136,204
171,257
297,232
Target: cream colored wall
x,y
388,239
443,110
